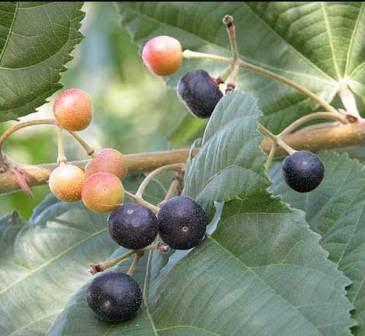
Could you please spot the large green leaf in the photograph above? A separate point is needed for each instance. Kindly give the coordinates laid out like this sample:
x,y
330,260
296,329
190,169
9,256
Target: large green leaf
x,y
229,162
262,272
336,210
35,43
314,43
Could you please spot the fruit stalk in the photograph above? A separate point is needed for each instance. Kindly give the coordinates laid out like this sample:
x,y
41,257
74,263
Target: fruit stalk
x,y
276,139
141,201
4,136
231,32
61,157
95,268
137,258
150,176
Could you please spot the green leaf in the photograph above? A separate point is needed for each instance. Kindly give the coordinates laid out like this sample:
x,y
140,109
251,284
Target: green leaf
x,y
41,265
43,262
228,163
317,44
262,272
336,210
36,40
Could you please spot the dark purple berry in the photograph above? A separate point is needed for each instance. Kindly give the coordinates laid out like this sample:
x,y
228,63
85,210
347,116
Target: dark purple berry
x,y
303,171
133,226
114,297
199,92
182,223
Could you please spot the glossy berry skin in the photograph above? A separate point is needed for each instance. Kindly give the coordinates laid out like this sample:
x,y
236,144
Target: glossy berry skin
x,y
114,297
72,109
133,226
199,92
102,192
303,171
66,182
182,223
108,160
162,55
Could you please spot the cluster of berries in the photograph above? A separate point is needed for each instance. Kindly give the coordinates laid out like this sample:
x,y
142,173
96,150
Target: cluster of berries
x,y
180,222
99,185
303,171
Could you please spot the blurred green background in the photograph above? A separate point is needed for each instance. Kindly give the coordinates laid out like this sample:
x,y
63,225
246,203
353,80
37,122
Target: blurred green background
x,y
134,111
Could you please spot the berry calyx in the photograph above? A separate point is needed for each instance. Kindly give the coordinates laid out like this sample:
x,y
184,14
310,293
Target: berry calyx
x,y
162,55
114,297
108,160
182,223
72,109
102,192
303,171
133,226
66,182
199,92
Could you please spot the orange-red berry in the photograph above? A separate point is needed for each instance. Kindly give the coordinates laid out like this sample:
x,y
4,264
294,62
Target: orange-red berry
x,y
72,109
66,182
162,55
110,161
102,192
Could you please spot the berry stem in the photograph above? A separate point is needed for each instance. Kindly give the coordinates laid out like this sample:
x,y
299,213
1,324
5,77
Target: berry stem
x,y
231,32
143,202
61,157
151,175
276,139
225,74
270,156
90,151
348,98
21,125
188,54
95,268
172,189
313,116
137,258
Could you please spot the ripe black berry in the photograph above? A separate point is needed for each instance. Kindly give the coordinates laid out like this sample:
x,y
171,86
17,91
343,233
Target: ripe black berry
x,y
199,92
114,297
182,223
133,226
303,171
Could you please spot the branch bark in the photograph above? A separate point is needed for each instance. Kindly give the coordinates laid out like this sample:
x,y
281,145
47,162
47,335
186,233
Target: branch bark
x,y
326,137
137,163
314,139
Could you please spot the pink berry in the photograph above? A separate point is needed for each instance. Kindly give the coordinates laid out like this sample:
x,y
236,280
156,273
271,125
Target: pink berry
x,y
110,161
102,192
72,109
162,55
